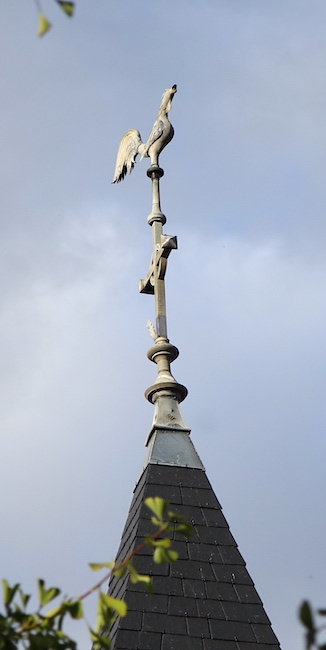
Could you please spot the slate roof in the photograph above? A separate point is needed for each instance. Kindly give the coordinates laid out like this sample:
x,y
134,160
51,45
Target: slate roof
x,y
206,600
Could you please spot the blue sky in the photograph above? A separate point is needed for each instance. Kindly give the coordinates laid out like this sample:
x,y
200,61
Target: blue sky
x,y
244,191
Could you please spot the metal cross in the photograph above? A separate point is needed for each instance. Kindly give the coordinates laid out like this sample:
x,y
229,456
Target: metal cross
x,y
161,248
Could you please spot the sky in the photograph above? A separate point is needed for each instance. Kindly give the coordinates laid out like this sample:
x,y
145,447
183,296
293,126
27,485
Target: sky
x,y
244,191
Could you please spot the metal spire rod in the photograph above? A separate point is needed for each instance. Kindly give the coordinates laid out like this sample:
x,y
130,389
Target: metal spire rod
x,y
166,393
161,248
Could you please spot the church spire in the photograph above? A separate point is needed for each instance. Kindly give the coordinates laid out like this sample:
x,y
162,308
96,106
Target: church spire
x,y
206,600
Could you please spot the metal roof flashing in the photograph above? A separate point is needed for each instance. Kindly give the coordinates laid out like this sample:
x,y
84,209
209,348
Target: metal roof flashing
x,y
174,448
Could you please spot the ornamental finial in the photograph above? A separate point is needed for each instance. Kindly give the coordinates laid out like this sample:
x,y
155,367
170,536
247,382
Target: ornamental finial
x,y
131,143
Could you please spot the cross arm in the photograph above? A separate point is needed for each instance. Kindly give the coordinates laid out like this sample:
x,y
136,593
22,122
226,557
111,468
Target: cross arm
x,y
158,263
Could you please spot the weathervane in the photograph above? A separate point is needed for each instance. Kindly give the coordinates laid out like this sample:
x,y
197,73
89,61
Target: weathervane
x,y
131,143
166,393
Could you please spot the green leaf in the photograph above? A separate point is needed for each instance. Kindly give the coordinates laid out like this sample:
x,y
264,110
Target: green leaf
x,y
67,7
172,556
120,571
157,506
162,525
102,565
43,25
159,555
108,609
164,555
56,611
306,615
119,606
163,543
75,609
8,592
307,619
24,598
46,595
138,577
99,640
30,621
185,529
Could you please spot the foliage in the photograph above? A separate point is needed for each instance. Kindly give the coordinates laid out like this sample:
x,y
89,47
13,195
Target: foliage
x,y
312,634
43,629
43,24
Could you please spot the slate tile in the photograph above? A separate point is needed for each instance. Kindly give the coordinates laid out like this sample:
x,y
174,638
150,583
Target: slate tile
x,y
141,482
187,476
194,570
113,629
231,555
116,583
227,630
215,535
247,594
210,608
178,642
170,493
199,497
131,523
198,627
232,574
146,550
178,476
129,535
198,480
245,612
134,510
264,633
180,606
145,528
147,602
215,644
204,552
133,621
193,514
145,564
125,640
194,588
169,586
163,475
193,537
119,590
214,517
138,506
258,646
221,591
181,548
164,624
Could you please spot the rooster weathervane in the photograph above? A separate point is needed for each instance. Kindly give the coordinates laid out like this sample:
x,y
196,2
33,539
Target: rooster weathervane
x,y
131,143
